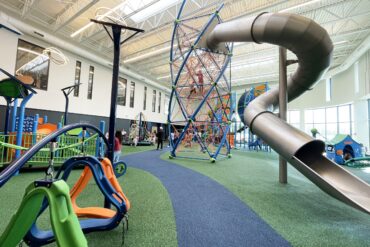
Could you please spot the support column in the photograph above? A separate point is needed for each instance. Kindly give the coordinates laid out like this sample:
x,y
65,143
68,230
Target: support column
x,y
283,105
116,31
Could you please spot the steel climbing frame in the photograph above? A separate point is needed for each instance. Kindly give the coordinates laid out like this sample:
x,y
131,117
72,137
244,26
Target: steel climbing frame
x,y
190,119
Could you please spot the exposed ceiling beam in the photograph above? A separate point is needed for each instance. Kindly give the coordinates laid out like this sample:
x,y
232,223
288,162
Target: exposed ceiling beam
x,y
96,29
154,29
351,59
75,10
325,23
27,5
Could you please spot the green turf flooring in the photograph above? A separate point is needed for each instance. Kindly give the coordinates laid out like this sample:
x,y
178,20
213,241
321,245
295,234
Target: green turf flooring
x,y
132,149
151,218
299,211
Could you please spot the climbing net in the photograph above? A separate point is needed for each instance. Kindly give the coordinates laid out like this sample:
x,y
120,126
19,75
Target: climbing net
x,y
199,109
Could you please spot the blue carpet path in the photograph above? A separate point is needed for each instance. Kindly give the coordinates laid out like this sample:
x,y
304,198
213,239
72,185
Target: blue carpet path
x,y
207,214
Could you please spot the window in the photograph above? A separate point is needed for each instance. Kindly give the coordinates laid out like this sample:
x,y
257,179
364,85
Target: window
x,y
132,94
132,8
357,80
319,121
154,100
90,82
330,121
328,89
344,119
122,88
166,104
77,78
159,102
368,116
144,103
308,120
32,62
294,118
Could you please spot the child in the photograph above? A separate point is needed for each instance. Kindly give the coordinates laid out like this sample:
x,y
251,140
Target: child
x,y
136,140
200,81
117,146
193,90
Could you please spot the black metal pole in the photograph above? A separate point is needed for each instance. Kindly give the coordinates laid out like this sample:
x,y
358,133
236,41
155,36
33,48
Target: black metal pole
x,y
116,31
140,124
7,114
66,109
283,103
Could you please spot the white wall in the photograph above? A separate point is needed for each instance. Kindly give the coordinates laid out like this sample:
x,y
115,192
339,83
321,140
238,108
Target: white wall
x,y
63,76
343,92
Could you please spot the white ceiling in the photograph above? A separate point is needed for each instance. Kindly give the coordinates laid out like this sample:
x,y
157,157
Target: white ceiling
x,y
347,22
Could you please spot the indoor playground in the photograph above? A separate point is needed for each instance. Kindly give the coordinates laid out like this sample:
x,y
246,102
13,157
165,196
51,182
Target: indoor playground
x,y
262,109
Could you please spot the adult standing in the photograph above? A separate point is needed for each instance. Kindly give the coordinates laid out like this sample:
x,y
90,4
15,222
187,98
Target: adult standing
x,y
160,138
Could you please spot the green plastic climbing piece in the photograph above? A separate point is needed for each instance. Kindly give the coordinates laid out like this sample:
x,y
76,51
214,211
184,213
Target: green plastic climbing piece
x,y
64,221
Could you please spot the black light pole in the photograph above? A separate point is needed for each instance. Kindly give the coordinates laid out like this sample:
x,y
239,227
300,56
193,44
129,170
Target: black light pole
x,y
116,38
140,124
67,91
7,114
116,31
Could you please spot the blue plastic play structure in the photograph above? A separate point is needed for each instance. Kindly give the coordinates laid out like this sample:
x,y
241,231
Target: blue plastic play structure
x,y
244,138
342,148
21,91
249,95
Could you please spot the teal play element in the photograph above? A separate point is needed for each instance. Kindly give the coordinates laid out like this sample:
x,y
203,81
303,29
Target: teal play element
x,y
342,148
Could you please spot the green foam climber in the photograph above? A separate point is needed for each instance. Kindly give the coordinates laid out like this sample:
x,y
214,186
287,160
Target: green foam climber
x,y
64,221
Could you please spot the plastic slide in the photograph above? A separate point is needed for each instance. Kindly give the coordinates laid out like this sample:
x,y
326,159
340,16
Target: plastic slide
x,y
80,185
313,48
42,237
63,220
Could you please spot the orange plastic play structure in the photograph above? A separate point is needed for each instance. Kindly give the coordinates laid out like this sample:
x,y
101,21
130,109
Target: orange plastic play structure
x,y
46,128
230,138
97,212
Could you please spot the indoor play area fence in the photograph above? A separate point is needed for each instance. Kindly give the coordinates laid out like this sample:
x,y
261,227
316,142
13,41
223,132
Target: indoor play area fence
x,y
243,139
68,146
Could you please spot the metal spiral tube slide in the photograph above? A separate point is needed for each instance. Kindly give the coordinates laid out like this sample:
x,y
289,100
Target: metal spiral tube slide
x,y
313,48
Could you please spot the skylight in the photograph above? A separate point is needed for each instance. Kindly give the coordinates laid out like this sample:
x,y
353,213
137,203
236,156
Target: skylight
x,y
155,8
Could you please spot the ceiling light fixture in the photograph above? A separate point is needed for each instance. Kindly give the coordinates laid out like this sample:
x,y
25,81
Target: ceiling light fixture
x,y
299,6
163,77
252,64
149,54
253,77
120,6
148,12
31,51
340,42
152,53
99,18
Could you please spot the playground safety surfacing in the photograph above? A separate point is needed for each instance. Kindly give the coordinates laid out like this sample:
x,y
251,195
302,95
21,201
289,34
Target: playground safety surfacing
x,y
297,214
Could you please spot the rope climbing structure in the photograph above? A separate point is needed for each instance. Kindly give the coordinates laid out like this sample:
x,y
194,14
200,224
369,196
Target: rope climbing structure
x,y
199,109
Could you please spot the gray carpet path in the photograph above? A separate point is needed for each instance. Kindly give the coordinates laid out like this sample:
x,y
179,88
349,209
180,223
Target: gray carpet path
x,y
207,214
